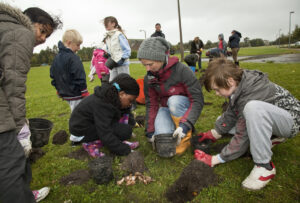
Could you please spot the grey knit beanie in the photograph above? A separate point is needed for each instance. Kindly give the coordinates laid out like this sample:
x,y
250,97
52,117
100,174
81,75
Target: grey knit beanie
x,y
154,48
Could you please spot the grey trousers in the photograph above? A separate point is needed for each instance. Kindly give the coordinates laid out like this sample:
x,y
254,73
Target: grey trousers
x,y
116,71
264,120
15,171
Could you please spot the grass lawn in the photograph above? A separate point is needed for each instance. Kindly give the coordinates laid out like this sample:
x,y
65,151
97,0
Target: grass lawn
x,y
42,102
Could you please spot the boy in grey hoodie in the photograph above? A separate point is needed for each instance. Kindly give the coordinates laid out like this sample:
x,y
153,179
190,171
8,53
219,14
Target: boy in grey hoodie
x,y
257,110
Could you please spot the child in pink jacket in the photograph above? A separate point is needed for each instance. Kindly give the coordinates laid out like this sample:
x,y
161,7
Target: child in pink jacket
x,y
98,66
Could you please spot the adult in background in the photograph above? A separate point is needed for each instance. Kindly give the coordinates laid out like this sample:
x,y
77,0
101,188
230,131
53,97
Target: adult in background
x,y
158,32
19,34
197,48
234,44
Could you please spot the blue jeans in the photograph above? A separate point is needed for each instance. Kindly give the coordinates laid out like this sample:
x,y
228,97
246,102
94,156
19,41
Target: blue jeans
x,y
177,106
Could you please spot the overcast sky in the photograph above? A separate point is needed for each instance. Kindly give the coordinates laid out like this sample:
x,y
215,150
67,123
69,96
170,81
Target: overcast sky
x,y
203,18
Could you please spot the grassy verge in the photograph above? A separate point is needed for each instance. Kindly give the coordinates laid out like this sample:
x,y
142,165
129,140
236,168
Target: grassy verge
x,y
47,171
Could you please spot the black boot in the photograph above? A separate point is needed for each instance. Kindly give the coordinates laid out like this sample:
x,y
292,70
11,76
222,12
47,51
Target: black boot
x,y
237,63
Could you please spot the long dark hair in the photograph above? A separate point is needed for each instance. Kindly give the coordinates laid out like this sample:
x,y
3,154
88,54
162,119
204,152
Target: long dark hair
x,y
123,82
37,15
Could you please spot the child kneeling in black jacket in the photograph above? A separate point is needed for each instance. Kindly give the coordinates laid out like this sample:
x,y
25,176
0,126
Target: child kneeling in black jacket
x,y
101,116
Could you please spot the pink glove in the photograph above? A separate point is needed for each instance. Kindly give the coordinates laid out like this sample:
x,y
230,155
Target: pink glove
x,y
201,156
206,136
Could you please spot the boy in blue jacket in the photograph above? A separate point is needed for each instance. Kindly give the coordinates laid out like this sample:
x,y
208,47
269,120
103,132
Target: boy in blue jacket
x,y
67,71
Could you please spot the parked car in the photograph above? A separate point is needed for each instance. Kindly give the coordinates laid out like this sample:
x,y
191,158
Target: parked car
x,y
297,43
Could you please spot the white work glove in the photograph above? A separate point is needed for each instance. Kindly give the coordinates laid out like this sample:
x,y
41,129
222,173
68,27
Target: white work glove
x,y
24,139
179,134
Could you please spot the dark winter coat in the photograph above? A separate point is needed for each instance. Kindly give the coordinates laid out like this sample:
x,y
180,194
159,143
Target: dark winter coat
x,y
17,40
67,73
194,49
158,34
173,79
95,112
234,40
254,85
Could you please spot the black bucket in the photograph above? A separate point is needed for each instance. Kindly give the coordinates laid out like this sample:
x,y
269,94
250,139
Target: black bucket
x,y
165,145
40,131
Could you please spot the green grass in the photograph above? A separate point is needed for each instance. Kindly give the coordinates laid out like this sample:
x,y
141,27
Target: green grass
x,y
254,51
47,171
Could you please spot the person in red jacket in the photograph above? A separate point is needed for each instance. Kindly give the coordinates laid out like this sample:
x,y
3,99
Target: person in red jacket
x,y
173,94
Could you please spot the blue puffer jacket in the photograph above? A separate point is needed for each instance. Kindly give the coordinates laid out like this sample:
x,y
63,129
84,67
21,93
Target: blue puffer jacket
x,y
67,73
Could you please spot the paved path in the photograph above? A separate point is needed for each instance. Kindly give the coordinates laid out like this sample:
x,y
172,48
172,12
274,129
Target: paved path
x,y
285,58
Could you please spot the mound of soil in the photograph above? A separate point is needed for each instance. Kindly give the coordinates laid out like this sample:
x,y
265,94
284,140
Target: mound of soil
x,y
101,169
217,148
203,146
36,154
76,178
133,163
79,154
192,180
60,137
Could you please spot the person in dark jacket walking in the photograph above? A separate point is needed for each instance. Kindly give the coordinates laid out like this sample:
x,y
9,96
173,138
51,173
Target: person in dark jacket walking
x,y
20,32
257,110
234,44
97,116
173,94
197,48
158,32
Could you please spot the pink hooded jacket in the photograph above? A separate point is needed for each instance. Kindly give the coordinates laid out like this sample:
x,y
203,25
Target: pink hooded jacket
x,y
98,61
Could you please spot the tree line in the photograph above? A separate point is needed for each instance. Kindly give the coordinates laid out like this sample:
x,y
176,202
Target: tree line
x,y
85,53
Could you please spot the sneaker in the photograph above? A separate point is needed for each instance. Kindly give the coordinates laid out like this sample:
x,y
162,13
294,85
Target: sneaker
x,y
41,194
259,178
132,145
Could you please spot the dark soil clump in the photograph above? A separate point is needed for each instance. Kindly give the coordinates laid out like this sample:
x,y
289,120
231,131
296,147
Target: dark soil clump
x,y
217,148
133,163
192,180
101,170
36,154
60,137
140,120
79,154
76,178
203,146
